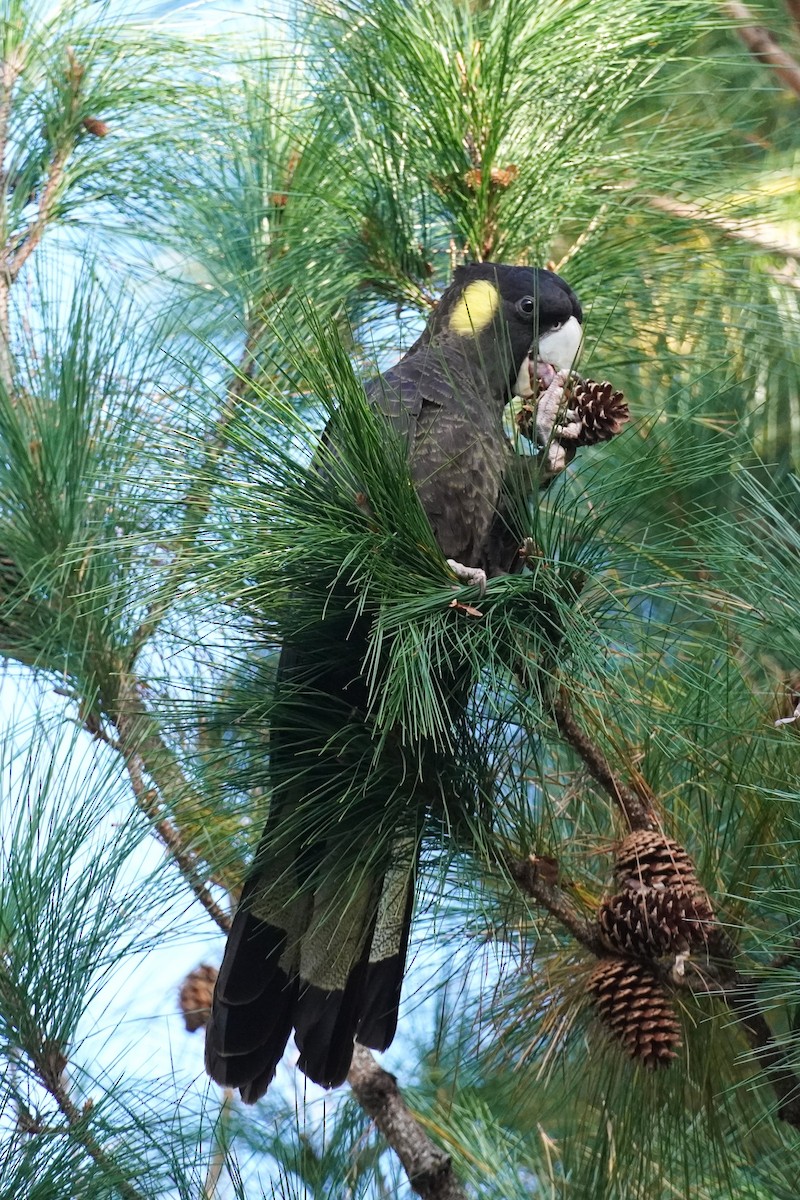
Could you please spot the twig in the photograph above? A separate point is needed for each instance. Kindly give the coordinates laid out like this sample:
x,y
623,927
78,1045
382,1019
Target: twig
x,y
49,1062
132,722
762,45
9,73
28,240
788,958
6,373
736,990
765,237
10,70
794,11
528,876
428,1168
739,993
775,1061
635,809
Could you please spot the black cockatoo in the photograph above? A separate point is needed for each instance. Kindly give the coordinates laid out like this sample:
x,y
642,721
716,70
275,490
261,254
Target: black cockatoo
x,y
318,943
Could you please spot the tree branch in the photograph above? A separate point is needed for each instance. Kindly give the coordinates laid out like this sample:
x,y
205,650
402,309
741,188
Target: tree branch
x,y
9,73
49,1062
739,993
133,724
428,1168
765,237
28,240
217,1164
762,45
636,810
774,1060
794,11
736,990
528,875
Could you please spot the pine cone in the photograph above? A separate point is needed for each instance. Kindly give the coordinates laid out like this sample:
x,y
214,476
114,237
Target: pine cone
x,y
648,858
635,1009
649,922
601,410
195,996
95,127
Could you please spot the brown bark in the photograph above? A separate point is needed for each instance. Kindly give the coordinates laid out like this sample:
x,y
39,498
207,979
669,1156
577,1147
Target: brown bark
x,y
763,46
763,237
635,808
142,748
529,877
9,72
428,1168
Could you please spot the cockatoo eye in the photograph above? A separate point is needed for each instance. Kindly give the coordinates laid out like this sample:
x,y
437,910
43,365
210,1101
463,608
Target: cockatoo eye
x,y
526,305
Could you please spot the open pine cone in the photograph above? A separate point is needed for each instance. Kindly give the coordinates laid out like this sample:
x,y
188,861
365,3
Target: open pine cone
x,y
650,923
647,858
601,410
632,1004
661,907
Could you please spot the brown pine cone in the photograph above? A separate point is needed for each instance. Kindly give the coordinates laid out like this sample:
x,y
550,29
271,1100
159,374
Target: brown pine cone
x,y
649,922
648,858
601,410
95,127
195,996
635,1009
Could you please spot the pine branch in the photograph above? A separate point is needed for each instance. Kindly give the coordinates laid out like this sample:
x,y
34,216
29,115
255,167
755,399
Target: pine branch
x,y
9,73
762,45
766,238
49,1062
736,990
28,240
774,1059
428,1168
140,746
739,993
217,1164
529,876
636,809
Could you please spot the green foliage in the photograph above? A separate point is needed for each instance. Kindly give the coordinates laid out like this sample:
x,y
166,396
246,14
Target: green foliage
x,y
168,515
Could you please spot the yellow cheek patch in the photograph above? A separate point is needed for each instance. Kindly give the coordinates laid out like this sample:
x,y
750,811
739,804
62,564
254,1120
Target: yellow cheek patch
x,y
476,308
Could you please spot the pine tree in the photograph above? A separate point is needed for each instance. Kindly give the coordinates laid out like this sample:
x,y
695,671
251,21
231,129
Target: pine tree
x,y
206,243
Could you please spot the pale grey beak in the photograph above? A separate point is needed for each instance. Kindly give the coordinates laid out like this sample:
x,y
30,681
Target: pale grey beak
x,y
554,351
561,346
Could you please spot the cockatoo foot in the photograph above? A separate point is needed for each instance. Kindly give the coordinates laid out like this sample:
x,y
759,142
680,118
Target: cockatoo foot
x,y
471,576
